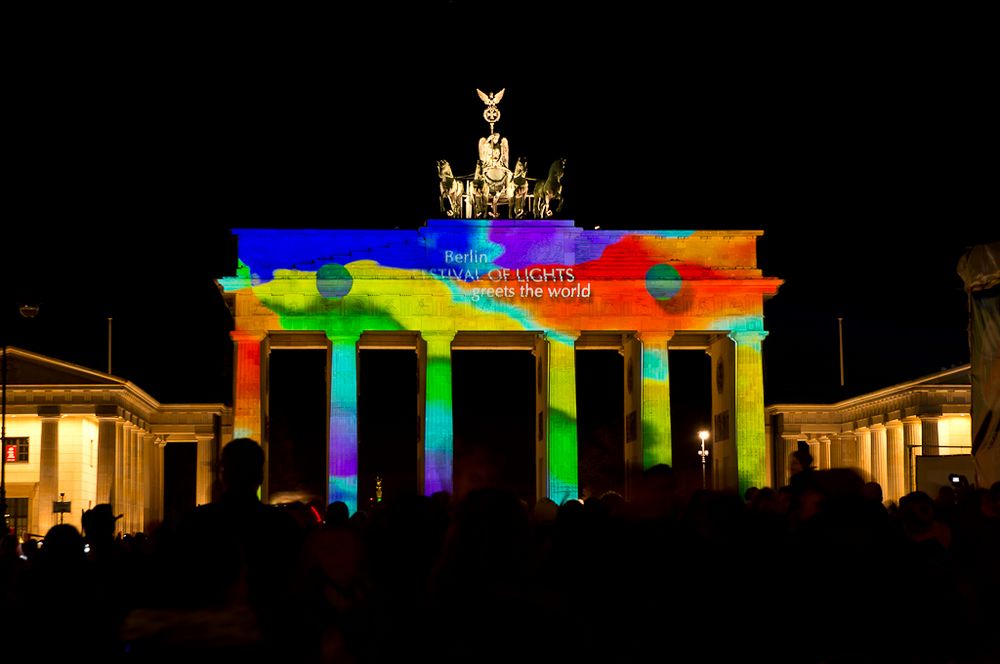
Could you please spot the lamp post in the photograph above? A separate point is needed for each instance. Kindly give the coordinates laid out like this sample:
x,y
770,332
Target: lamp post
x,y
3,441
703,453
26,311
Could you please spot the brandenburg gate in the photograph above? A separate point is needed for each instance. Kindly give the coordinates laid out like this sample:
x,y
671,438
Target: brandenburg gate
x,y
542,285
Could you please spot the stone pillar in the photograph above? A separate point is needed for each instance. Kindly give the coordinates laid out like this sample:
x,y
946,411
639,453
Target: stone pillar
x,y
129,521
656,439
48,469
631,352
138,481
152,482
118,499
439,431
205,473
880,457
751,446
107,429
247,422
562,454
912,448
824,460
896,461
845,452
814,452
542,378
343,444
929,435
864,436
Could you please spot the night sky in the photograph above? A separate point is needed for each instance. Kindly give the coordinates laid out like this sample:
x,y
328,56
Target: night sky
x,y
858,150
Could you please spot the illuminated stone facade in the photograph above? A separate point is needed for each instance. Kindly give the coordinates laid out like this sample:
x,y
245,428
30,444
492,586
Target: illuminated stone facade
x,y
543,286
87,437
881,433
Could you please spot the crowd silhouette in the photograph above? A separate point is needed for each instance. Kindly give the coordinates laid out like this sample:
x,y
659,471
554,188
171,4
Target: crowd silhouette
x,y
817,571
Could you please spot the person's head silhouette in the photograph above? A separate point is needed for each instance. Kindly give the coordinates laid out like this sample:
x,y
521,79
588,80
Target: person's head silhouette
x,y
242,467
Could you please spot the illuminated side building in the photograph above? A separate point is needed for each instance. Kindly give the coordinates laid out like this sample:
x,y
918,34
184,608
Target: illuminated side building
x,y
880,434
80,437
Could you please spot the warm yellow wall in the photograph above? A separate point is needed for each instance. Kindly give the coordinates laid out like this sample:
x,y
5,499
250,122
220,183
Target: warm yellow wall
x,y
25,474
78,463
955,434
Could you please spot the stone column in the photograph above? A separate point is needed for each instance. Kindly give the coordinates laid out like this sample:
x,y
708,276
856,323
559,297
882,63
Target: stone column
x,y
896,461
247,384
563,467
107,430
439,431
814,452
48,464
929,435
879,457
130,522
121,469
153,513
845,452
631,352
343,444
864,436
151,480
824,459
205,473
751,446
656,439
138,481
912,448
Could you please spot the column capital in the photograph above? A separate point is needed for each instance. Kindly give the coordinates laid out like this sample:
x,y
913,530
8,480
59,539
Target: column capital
x,y
655,336
349,336
437,334
49,412
562,336
247,336
747,336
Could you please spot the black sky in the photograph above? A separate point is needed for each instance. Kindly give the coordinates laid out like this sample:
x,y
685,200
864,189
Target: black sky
x,y
857,144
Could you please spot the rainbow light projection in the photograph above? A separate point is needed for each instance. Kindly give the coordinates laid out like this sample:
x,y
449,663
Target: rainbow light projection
x,y
500,275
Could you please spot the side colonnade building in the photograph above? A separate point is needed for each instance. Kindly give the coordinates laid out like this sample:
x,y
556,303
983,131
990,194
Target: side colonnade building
x,y
83,437
881,434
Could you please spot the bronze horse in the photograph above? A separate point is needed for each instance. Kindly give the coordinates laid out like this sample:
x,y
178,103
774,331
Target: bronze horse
x,y
517,190
549,192
450,189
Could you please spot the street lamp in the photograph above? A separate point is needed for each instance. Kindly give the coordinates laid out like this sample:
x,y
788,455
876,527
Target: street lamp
x,y
703,453
26,311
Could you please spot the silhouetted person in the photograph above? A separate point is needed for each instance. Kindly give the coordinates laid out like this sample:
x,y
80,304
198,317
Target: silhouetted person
x,y
59,589
226,573
337,514
480,588
800,466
